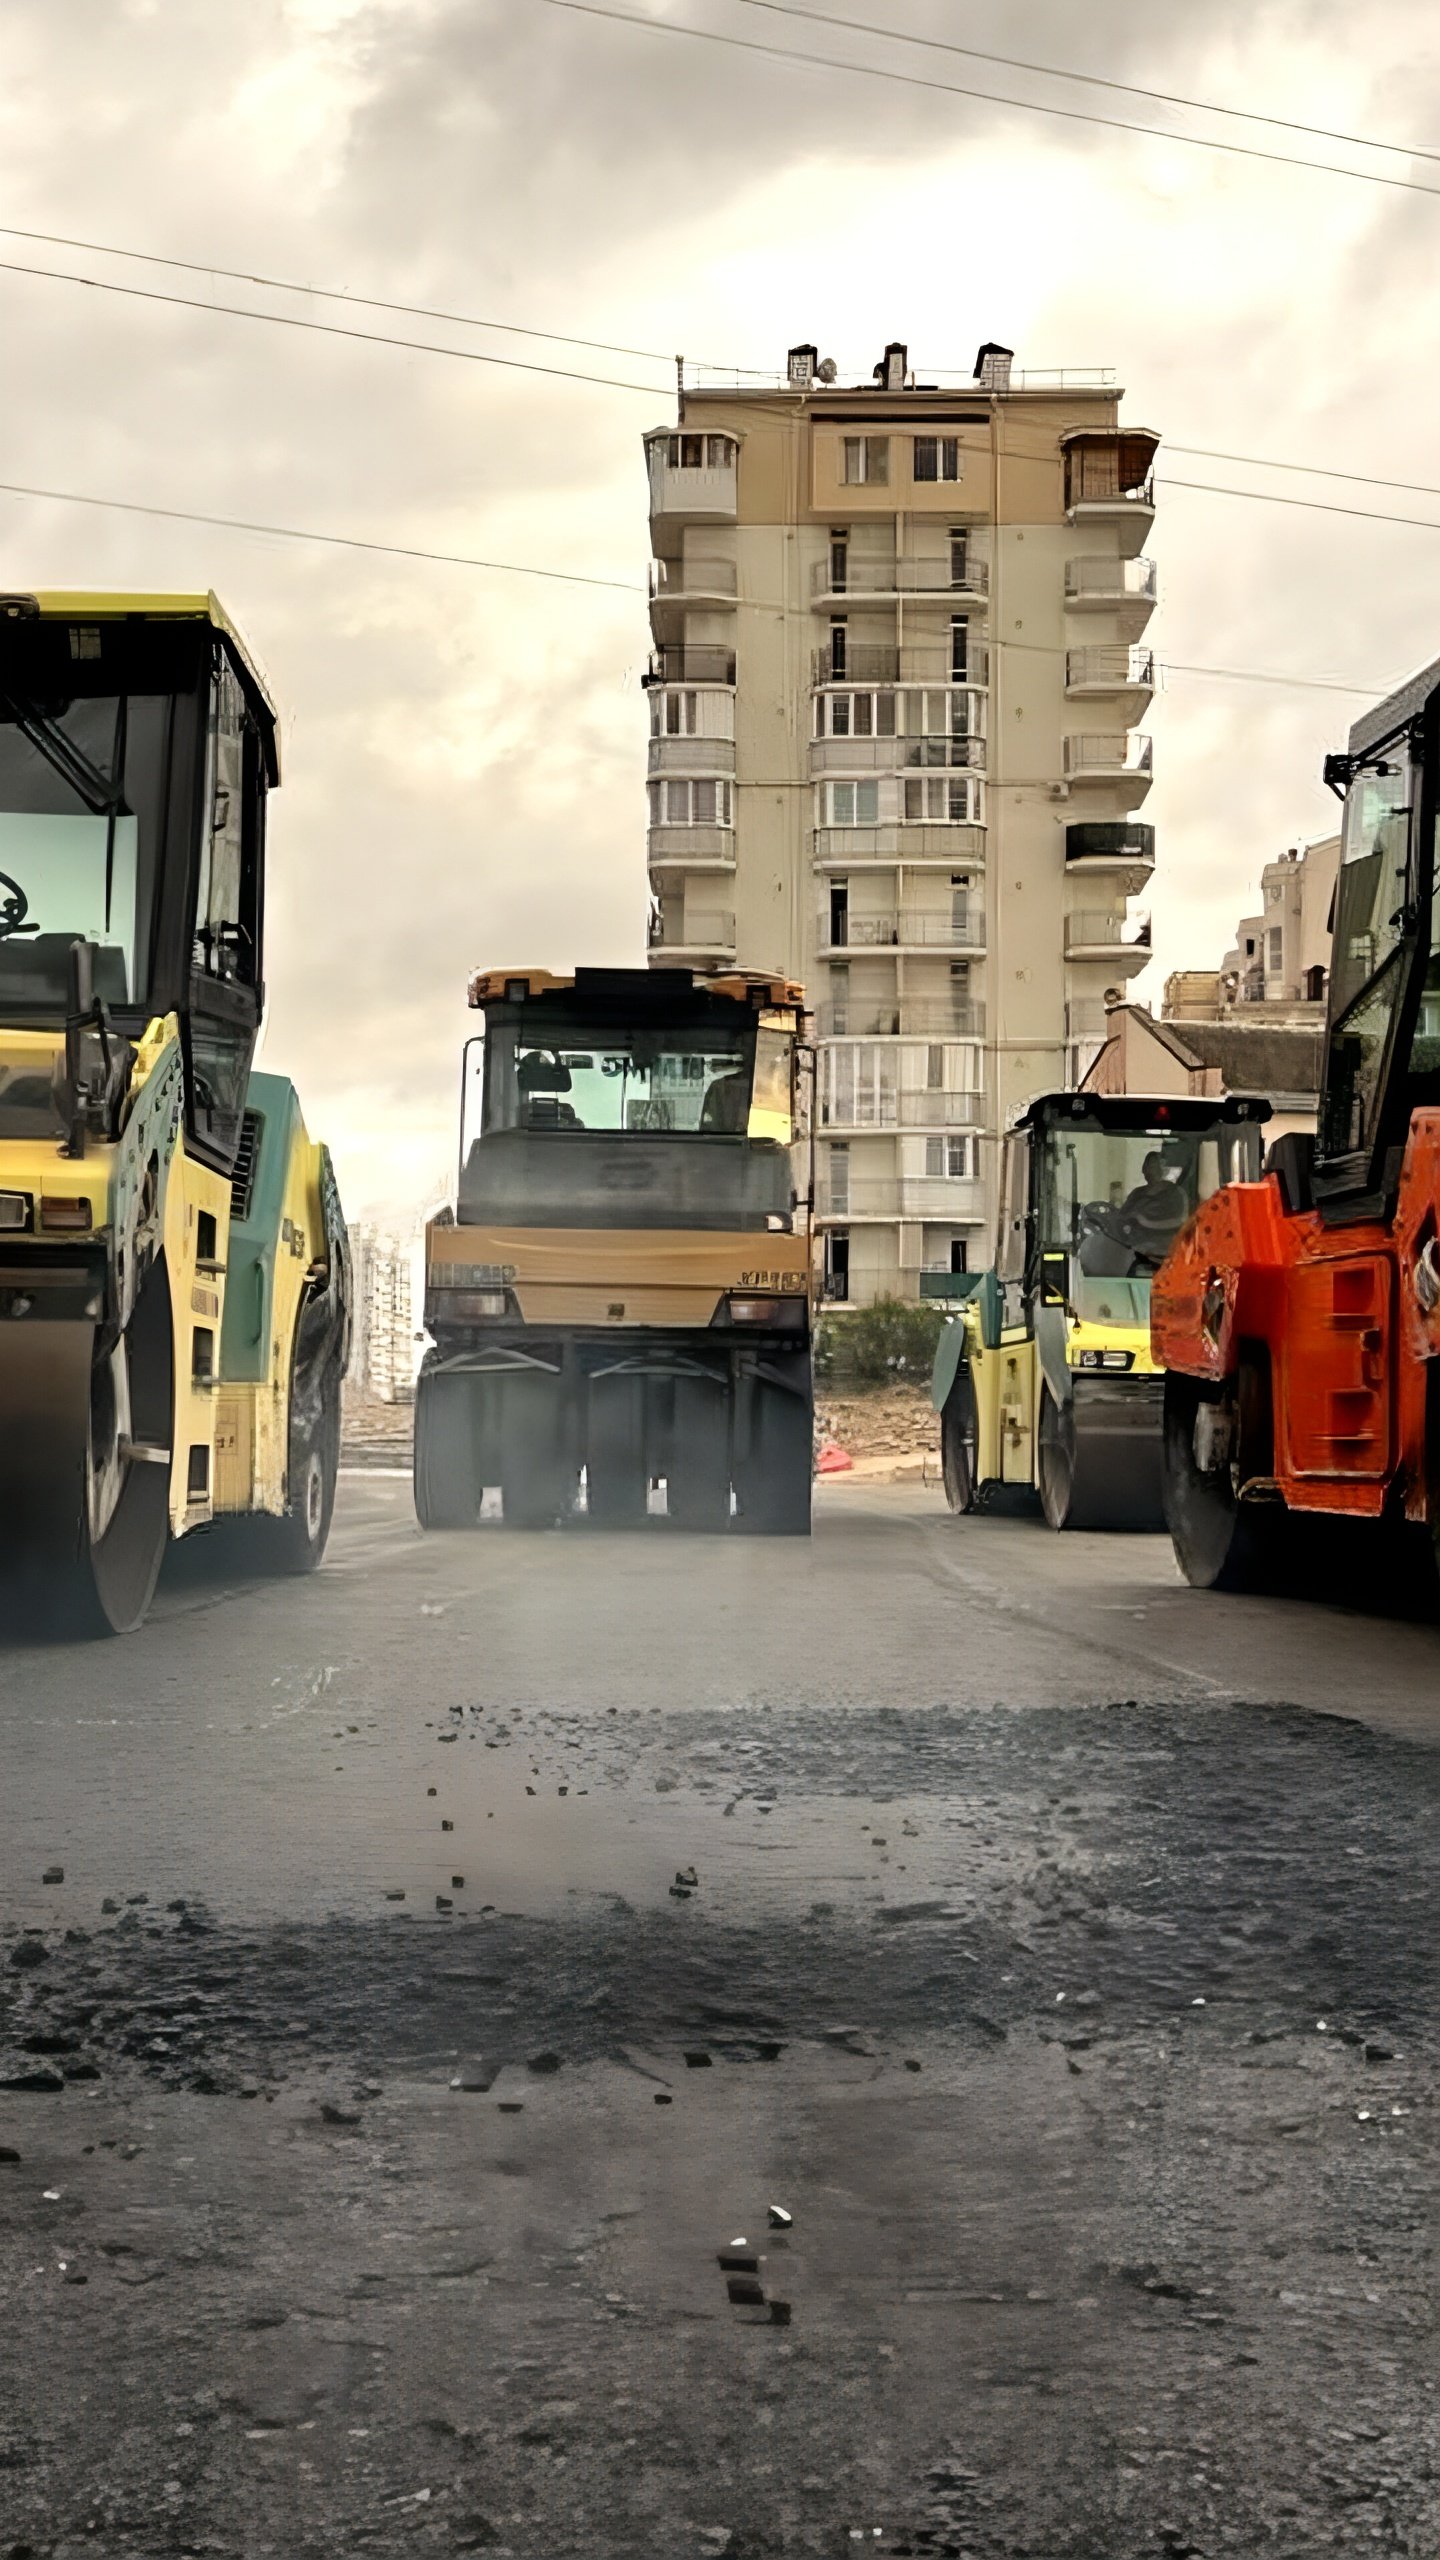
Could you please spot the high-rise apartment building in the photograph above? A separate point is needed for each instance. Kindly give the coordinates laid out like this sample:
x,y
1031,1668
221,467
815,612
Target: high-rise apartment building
x,y
898,660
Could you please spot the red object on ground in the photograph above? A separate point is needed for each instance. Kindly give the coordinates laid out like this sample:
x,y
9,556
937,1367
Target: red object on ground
x,y
833,1460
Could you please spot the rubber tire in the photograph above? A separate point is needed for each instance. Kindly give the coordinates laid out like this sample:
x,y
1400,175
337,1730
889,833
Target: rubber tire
x,y
1221,1544
617,1482
536,1488
777,1483
296,1542
697,1492
960,1443
446,1457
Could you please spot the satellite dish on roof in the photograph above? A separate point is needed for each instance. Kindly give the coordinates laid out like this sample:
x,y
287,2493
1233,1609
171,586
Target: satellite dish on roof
x,y
827,370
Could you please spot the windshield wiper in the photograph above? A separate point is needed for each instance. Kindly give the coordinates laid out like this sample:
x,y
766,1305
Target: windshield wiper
x,y
103,796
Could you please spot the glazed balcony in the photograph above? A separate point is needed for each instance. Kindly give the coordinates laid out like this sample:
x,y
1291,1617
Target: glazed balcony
x,y
678,587
862,1198
913,1108
691,755
1124,845
1109,480
692,479
939,753
671,849
898,842
872,662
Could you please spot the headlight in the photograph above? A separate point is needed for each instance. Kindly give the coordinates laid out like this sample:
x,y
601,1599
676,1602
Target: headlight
x,y
1105,1360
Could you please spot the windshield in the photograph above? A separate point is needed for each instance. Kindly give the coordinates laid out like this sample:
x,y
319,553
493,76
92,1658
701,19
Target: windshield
x,y
80,788
673,1080
1115,1200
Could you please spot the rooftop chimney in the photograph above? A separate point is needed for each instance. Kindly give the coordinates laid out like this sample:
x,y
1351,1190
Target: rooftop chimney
x,y
992,366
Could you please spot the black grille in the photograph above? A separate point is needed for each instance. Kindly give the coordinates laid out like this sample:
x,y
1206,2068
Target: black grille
x,y
242,1180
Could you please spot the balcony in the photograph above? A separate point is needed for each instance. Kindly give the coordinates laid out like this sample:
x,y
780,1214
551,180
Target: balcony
x,y
1125,588
905,929
915,1107
691,755
692,477
1119,759
854,1200
961,582
1109,480
898,842
690,848
900,1018
1112,675
698,663
1097,934
928,662
940,753
1125,845
680,586
1086,1020
692,937
937,1280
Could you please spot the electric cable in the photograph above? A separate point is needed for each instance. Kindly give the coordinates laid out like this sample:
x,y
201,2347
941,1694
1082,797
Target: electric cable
x,y
988,97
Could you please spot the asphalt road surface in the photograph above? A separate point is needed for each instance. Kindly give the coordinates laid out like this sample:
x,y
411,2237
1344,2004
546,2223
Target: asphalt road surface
x,y
457,1955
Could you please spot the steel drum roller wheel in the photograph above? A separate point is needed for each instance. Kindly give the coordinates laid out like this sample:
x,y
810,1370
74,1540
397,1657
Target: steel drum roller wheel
x,y
1095,1479
960,1443
85,1490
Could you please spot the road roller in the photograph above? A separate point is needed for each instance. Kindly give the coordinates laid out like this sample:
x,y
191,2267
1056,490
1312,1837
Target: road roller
x,y
1044,1378
174,1270
619,1299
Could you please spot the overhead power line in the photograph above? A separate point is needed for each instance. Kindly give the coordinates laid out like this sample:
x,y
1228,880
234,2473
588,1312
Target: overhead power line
x,y
988,97
304,533
1312,506
327,293
324,328
1089,79
1311,470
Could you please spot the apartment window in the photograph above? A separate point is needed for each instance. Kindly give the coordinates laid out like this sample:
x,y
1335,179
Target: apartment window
x,y
700,453
855,715
840,997
859,1087
959,645
867,460
951,712
849,804
674,715
941,799
947,1159
935,1068
937,457
837,1266
839,1177
683,800
1277,950
839,643
839,560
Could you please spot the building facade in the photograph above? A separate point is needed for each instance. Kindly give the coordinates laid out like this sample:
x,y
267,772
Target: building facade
x,y
898,663
382,1343
1278,969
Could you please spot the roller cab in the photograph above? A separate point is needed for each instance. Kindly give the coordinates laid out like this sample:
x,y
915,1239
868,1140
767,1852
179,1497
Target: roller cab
x,y
620,1296
1045,1378
173,1265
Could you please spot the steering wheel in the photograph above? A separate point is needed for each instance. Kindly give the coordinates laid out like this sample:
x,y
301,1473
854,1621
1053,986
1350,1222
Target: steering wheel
x,y
14,908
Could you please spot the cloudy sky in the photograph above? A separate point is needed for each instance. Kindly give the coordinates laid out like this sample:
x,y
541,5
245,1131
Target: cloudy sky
x,y
464,749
